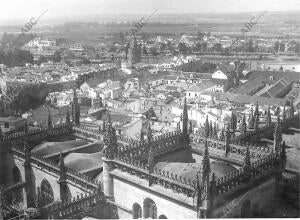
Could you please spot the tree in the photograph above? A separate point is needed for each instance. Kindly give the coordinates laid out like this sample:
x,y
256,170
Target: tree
x,y
122,37
276,46
29,97
42,59
182,47
56,56
153,51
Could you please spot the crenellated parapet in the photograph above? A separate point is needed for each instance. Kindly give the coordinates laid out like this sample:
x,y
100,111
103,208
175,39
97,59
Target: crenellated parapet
x,y
160,144
95,133
74,206
258,169
160,177
38,134
256,152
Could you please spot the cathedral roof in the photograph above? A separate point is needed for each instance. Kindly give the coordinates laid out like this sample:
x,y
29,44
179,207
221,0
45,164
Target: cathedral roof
x,y
48,148
82,161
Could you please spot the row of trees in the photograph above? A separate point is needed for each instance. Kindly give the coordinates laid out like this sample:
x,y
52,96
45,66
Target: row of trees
x,y
198,66
56,57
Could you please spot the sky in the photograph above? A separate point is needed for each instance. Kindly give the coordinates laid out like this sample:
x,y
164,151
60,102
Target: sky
x,y
22,9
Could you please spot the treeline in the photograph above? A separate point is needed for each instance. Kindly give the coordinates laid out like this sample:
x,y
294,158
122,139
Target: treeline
x,y
15,57
198,66
15,40
29,97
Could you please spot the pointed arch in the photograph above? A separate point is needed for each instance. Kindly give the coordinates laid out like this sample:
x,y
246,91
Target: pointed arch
x,y
150,209
136,211
47,192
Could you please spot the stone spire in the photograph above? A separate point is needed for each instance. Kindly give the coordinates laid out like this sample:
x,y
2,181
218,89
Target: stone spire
x,y
233,120
185,119
277,136
256,123
76,108
198,194
50,124
215,131
284,114
211,129
227,141
251,120
68,119
292,109
268,118
108,139
256,112
205,165
206,129
247,165
149,133
205,196
243,125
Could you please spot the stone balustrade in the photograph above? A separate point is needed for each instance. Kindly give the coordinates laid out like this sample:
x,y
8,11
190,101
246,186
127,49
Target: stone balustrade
x,y
255,151
159,176
258,169
73,206
98,134
41,133
160,144
46,164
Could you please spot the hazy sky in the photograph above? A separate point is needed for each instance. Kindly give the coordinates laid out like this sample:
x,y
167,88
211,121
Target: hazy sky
x,y
24,9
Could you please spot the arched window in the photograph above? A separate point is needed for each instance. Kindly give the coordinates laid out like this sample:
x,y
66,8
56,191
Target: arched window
x,y
16,175
162,217
246,209
47,193
150,210
136,211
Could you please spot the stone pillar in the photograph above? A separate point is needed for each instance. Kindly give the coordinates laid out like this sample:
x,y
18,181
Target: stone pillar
x,y
25,206
108,184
